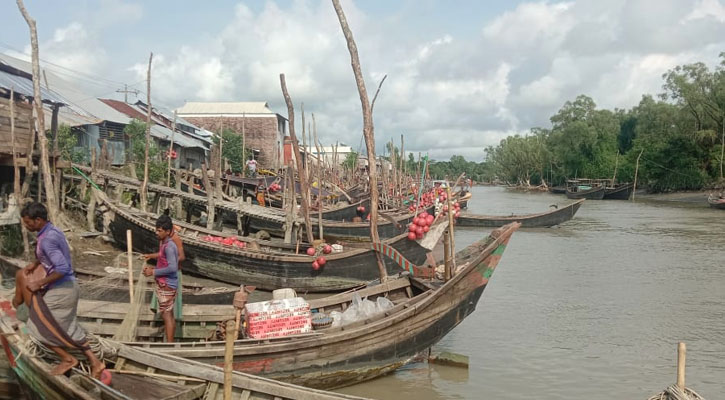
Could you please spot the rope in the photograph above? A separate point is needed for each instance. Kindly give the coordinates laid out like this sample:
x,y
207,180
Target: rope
x,y
403,262
675,393
99,346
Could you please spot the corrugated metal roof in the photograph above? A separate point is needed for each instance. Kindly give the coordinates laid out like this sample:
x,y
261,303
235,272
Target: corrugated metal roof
x,y
164,133
24,87
249,107
79,101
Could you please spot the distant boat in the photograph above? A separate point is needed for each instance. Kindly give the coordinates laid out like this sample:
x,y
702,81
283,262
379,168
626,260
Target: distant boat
x,y
716,202
622,191
549,218
558,189
584,191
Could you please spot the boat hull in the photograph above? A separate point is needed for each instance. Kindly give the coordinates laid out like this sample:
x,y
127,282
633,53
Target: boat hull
x,y
541,220
270,271
592,194
622,192
365,350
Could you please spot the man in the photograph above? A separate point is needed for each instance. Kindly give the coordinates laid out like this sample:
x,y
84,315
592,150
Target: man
x,y
260,193
166,274
252,165
52,293
177,241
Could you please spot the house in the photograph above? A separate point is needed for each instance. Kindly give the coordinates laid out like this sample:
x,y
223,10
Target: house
x,y
330,154
90,119
191,143
263,129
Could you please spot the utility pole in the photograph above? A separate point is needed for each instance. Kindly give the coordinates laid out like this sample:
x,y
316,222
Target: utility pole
x,y
125,92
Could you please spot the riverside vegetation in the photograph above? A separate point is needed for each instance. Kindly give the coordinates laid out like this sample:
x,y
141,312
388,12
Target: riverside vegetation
x,y
679,133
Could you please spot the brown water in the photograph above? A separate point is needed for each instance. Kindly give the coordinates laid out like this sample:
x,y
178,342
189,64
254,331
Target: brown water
x,y
591,309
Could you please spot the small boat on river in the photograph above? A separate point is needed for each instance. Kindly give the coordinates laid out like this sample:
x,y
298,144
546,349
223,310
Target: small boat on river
x,y
621,191
716,202
555,216
267,265
584,189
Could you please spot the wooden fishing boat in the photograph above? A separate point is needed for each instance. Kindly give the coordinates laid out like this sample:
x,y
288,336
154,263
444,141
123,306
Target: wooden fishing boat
x,y
622,191
581,191
274,265
716,202
557,189
113,286
137,374
555,216
424,311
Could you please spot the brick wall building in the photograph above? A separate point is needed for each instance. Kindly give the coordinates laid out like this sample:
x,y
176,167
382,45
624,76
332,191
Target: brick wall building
x,y
264,130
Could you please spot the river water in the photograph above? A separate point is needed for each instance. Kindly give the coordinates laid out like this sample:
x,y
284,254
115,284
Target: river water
x,y
591,309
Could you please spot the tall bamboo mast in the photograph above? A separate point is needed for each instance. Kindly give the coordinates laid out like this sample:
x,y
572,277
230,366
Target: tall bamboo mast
x,y
145,182
298,159
51,201
368,131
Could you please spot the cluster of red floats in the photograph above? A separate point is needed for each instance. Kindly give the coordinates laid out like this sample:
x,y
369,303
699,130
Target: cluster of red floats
x,y
226,241
320,261
275,187
420,226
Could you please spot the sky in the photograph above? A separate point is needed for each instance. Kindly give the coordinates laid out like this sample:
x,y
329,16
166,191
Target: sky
x,y
461,75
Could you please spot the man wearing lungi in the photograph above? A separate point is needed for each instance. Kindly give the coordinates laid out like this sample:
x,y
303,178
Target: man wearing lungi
x,y
52,293
166,274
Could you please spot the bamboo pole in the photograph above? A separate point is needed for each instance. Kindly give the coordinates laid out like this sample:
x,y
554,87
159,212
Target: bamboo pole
x,y
452,240
616,164
145,182
319,178
210,202
368,131
171,149
129,255
228,359
636,171
681,356
290,203
244,137
16,171
44,166
298,159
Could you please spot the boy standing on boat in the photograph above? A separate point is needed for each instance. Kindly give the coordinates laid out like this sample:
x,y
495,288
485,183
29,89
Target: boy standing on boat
x,y
166,274
52,293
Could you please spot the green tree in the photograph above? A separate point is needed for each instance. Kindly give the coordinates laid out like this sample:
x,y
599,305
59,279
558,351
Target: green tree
x,y
232,150
136,131
350,162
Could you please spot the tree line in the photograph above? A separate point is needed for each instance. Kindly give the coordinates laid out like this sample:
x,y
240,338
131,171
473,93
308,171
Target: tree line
x,y
678,136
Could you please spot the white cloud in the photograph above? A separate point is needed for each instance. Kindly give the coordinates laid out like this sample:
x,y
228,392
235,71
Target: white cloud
x,y
448,93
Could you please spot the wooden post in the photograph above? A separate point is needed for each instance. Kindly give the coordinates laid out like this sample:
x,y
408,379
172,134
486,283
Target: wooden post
x,y
298,158
447,255
636,170
368,132
171,149
218,164
211,204
17,192
228,359
91,212
452,238
290,203
129,255
616,164
681,353
319,177
43,165
145,182
244,137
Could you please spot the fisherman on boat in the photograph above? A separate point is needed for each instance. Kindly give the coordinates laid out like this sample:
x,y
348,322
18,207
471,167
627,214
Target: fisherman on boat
x,y
177,241
252,166
260,193
52,293
166,274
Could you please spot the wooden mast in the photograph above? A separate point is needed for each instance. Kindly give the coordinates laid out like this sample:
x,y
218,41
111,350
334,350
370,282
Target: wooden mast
x,y
368,131
44,165
145,182
298,160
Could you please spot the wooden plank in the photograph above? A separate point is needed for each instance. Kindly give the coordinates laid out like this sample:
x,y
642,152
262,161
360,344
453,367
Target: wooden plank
x,y
191,393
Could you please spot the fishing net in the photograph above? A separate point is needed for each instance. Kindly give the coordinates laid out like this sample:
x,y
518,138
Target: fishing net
x,y
112,277
127,330
675,393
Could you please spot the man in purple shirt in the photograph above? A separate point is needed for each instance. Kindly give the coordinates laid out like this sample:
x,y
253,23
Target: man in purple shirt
x,y
52,293
166,274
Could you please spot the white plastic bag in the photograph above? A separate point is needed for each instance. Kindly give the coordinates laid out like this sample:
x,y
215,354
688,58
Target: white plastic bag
x,y
336,318
383,304
367,309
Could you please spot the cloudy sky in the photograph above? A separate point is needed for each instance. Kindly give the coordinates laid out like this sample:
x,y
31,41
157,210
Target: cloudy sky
x,y
461,74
